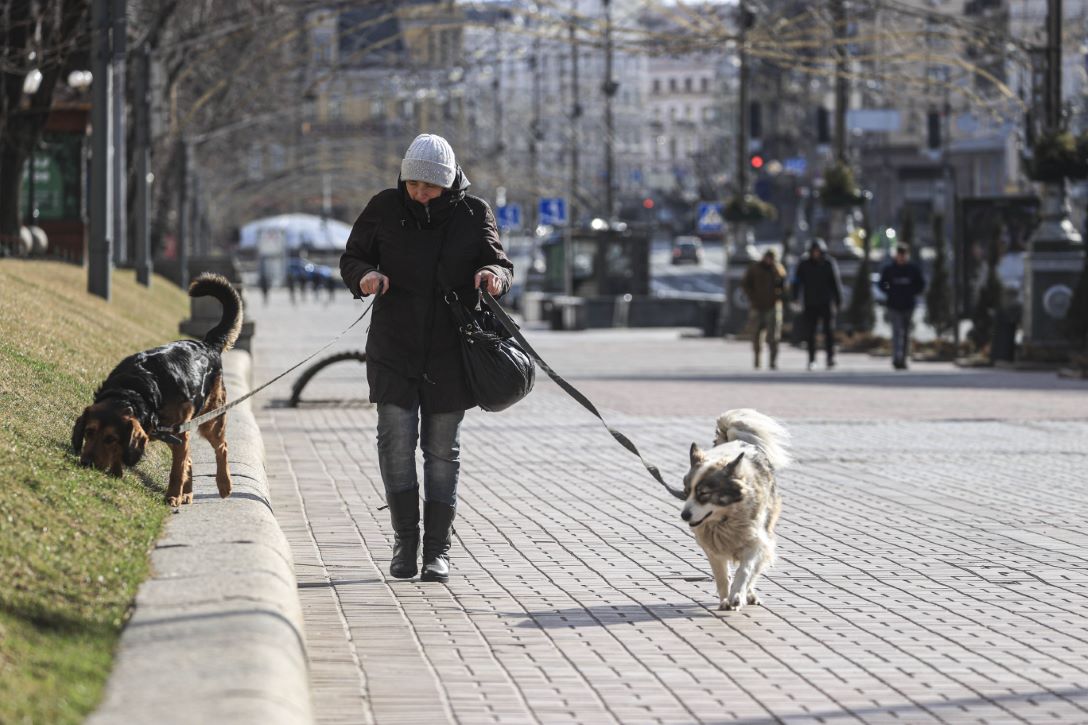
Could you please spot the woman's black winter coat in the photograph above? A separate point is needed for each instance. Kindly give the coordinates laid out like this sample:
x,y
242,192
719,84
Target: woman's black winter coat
x,y
412,350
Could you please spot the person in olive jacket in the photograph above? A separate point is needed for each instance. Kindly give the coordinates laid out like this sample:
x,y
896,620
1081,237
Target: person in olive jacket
x,y
817,284
411,246
764,285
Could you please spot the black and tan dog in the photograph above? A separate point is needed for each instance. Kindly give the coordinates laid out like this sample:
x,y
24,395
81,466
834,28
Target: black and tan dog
x,y
150,392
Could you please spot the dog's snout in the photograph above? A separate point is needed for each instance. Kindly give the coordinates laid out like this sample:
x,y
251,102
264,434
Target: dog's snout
x,y
686,514
85,462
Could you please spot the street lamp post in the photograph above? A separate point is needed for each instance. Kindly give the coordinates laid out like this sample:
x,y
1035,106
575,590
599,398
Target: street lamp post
x,y
1055,254
142,155
117,129
98,252
609,87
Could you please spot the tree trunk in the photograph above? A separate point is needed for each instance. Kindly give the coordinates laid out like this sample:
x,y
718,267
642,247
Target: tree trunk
x,y
12,158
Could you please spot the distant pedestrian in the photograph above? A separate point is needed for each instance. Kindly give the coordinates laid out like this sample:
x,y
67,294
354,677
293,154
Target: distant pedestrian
x,y
765,286
816,283
262,282
291,286
408,245
902,281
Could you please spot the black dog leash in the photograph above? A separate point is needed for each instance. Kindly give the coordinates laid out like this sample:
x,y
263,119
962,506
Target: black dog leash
x,y
573,392
188,425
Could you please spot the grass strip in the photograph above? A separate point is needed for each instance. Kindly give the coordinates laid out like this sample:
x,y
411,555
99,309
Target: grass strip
x,y
74,543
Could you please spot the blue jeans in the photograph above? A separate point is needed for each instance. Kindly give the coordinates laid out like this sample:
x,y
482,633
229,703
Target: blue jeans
x,y
901,324
399,430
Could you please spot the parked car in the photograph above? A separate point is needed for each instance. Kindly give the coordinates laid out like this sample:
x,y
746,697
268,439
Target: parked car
x,y
687,250
304,273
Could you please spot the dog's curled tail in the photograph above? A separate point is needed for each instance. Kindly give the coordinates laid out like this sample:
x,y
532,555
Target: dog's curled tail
x,y
223,335
753,427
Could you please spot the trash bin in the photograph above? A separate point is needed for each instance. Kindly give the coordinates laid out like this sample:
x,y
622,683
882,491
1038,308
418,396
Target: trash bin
x,y
710,313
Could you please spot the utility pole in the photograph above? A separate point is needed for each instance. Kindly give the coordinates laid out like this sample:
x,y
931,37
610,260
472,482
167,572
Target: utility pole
x,y
496,88
536,136
738,255
98,253
183,230
742,99
142,119
117,126
609,87
575,115
842,88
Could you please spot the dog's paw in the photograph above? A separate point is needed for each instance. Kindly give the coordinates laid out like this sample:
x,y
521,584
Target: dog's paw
x,y
173,501
753,598
732,603
186,498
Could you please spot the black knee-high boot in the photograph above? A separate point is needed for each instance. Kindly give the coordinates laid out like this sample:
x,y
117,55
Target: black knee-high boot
x,y
404,514
437,537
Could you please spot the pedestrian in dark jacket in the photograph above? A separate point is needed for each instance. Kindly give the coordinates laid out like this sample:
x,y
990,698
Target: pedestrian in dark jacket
x,y
417,246
764,285
816,283
902,282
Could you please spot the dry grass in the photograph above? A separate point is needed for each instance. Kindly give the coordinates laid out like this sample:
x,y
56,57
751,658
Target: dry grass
x,y
73,542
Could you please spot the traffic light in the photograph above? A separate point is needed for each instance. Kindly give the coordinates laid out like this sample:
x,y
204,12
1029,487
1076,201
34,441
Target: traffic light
x,y
756,161
933,127
647,203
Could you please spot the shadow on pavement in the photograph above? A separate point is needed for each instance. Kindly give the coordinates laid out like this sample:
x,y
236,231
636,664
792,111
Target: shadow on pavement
x,y
998,381
927,710
606,615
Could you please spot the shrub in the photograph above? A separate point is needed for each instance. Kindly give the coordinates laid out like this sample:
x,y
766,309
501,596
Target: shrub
x,y
1057,156
748,209
840,189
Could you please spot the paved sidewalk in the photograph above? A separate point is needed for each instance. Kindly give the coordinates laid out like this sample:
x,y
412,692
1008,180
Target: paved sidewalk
x,y
931,564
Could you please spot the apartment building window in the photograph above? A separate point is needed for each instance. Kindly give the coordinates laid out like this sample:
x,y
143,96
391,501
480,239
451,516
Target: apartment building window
x,y
255,165
277,157
322,51
705,84
687,85
672,85
657,85
335,108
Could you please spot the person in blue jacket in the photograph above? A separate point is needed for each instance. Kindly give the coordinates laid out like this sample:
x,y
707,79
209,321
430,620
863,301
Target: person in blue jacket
x,y
902,281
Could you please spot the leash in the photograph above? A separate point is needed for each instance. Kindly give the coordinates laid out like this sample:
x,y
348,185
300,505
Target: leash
x,y
573,392
194,422
514,331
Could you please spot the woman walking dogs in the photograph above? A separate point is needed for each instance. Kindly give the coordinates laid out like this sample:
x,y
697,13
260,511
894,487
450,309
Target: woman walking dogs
x,y
409,244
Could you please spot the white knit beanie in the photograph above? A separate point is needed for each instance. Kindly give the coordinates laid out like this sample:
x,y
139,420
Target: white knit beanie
x,y
429,159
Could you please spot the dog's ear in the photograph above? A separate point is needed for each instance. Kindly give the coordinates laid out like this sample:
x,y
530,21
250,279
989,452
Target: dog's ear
x,y
729,469
77,432
137,441
697,455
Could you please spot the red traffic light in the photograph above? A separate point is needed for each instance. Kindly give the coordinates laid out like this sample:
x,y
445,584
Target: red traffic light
x,y
757,162
647,203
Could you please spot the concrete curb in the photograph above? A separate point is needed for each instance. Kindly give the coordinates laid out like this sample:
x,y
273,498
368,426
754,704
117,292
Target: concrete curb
x,y
217,633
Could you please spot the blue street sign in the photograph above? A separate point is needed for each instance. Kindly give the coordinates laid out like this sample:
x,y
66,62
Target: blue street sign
x,y
509,216
553,210
795,165
709,217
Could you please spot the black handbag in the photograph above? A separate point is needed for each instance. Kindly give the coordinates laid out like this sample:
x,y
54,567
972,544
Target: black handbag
x,y
498,370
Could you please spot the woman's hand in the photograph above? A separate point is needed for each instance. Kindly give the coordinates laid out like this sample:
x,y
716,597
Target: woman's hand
x,y
373,282
488,280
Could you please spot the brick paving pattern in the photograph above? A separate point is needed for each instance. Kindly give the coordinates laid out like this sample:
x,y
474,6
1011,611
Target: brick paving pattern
x,y
932,563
